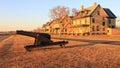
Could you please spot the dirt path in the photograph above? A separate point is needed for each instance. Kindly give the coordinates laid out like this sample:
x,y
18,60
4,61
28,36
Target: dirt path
x,y
4,37
4,49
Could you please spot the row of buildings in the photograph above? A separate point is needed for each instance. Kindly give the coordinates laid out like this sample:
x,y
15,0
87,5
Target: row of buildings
x,y
88,21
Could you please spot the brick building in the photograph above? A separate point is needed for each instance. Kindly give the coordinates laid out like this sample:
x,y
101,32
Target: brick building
x,y
88,21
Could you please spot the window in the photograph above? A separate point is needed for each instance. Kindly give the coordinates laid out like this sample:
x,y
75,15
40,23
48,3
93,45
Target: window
x,y
98,12
97,28
93,20
113,26
109,26
109,21
80,22
46,29
65,30
93,28
85,21
103,23
62,24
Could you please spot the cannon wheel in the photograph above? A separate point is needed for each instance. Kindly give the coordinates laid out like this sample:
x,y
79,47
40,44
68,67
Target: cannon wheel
x,y
62,45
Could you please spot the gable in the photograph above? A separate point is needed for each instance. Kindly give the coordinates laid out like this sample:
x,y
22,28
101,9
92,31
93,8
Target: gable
x,y
100,10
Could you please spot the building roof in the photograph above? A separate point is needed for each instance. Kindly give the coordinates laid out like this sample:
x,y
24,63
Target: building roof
x,y
86,11
109,12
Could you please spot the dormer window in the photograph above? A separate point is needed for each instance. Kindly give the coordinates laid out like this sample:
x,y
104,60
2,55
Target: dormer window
x,y
86,12
82,12
98,12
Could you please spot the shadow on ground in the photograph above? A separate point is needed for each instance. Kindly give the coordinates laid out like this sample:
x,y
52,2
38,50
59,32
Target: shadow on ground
x,y
92,41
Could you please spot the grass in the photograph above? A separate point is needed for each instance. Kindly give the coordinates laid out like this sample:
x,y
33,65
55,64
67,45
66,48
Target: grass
x,y
75,55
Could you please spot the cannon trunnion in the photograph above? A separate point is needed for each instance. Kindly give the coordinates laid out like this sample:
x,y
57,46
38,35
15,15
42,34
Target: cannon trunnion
x,y
41,39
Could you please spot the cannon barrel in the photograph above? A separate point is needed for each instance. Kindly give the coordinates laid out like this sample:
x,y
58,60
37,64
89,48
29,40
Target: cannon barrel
x,y
33,34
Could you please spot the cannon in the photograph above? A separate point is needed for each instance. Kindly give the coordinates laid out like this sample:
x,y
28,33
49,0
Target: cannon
x,y
41,39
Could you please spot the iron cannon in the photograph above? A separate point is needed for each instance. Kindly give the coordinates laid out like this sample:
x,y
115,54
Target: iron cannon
x,y
41,39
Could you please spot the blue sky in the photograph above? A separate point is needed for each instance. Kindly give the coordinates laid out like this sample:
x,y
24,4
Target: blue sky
x,y
30,14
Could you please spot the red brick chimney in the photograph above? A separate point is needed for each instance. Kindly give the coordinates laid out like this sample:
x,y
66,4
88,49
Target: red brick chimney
x,y
95,4
81,7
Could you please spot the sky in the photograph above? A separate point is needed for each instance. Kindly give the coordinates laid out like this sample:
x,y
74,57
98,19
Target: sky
x,y
31,14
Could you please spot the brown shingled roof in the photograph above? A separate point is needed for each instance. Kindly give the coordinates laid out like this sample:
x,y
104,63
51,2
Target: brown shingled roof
x,y
86,11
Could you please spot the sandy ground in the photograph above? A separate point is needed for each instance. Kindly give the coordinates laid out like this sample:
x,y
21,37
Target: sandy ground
x,y
77,54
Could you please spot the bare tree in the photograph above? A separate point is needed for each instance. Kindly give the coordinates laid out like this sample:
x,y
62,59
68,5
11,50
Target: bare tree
x,y
74,11
58,11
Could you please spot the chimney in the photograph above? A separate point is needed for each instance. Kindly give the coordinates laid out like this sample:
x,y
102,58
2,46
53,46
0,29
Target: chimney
x,y
81,7
95,4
